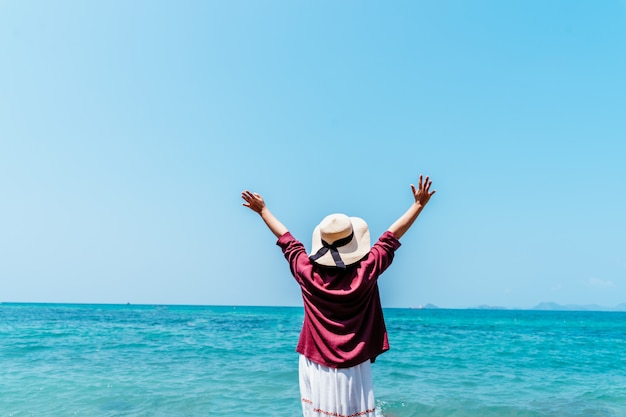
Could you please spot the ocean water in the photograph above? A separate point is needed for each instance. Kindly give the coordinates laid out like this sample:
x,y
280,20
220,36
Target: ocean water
x,y
127,360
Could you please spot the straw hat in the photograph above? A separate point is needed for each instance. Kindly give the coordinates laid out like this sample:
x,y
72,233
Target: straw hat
x,y
340,241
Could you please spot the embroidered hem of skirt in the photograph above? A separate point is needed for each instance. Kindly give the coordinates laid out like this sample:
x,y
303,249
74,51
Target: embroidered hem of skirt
x,y
336,392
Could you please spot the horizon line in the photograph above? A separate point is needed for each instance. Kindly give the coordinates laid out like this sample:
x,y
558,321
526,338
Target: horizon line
x,y
538,307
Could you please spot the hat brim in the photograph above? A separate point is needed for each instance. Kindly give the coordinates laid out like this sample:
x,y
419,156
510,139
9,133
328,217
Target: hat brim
x,y
350,253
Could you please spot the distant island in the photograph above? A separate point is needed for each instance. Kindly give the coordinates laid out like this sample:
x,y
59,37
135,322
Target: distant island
x,y
578,307
425,307
543,306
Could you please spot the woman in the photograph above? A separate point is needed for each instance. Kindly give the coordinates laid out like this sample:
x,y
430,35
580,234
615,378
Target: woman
x,y
344,328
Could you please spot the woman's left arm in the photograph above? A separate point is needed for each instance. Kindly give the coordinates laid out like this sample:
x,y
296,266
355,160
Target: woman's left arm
x,y
255,202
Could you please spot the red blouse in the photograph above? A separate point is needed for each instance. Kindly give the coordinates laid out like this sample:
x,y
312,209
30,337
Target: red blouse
x,y
343,318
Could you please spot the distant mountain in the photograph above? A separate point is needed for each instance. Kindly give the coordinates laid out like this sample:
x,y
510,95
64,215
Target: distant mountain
x,y
577,307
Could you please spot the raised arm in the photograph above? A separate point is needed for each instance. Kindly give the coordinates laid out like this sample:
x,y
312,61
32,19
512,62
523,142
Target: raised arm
x,y
256,203
422,195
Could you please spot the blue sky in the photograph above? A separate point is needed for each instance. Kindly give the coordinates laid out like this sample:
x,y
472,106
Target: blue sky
x,y
128,130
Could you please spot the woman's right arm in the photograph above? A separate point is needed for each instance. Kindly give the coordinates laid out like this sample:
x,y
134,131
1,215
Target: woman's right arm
x,y
421,195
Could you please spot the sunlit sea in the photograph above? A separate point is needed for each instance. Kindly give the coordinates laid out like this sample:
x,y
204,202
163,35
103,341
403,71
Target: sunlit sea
x,y
128,360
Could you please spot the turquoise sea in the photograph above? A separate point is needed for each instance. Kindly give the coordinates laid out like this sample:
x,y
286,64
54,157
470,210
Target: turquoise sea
x,y
127,360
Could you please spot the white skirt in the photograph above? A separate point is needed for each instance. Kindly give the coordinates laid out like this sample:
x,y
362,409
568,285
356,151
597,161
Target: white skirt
x,y
332,392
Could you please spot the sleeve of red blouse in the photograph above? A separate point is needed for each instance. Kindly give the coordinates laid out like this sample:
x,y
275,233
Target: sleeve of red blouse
x,y
381,254
295,253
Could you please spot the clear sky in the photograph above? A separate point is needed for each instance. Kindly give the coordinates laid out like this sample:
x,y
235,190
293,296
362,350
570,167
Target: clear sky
x,y
128,130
